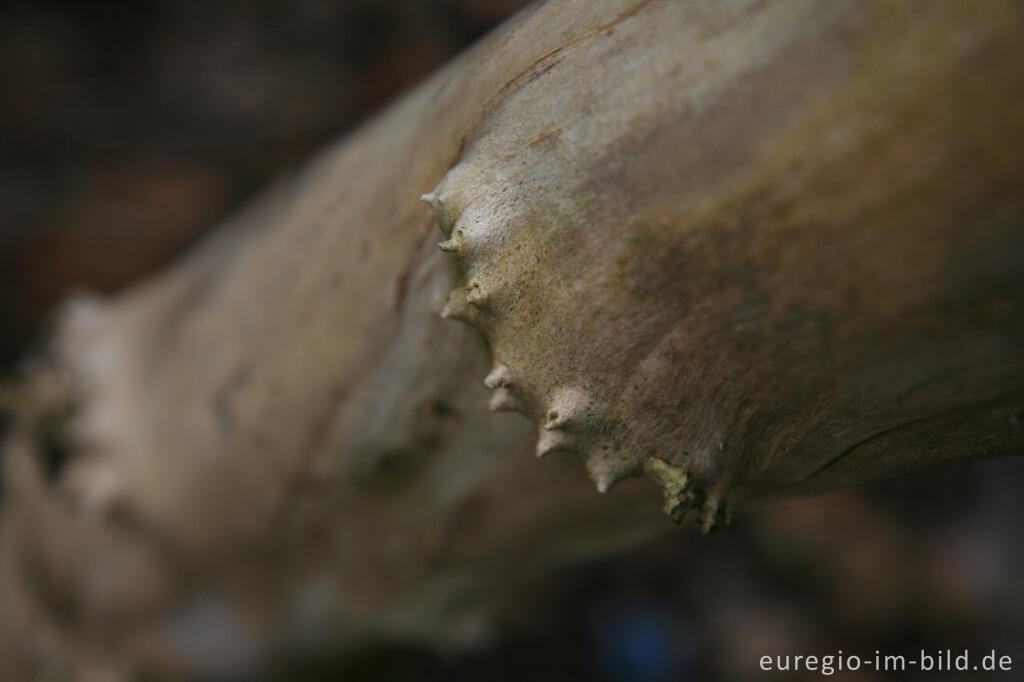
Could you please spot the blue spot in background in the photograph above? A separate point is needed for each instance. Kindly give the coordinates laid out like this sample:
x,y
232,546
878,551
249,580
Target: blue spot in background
x,y
640,642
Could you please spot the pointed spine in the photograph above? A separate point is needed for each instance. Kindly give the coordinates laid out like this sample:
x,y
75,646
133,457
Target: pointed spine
x,y
456,307
444,221
606,469
716,512
455,243
552,441
500,381
500,376
503,401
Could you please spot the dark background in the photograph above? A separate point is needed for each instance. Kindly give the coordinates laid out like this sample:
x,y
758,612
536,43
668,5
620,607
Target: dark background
x,y
128,129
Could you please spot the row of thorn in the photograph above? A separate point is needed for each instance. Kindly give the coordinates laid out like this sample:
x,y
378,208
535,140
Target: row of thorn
x,y
564,420
563,426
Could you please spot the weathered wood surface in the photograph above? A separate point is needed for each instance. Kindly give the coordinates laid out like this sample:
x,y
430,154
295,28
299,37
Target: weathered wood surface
x,y
747,248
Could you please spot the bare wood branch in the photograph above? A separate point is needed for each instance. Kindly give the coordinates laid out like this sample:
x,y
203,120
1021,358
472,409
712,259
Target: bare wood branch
x,y
746,248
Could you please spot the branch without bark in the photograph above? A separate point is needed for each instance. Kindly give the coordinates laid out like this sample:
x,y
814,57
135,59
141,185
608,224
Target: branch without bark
x,y
746,248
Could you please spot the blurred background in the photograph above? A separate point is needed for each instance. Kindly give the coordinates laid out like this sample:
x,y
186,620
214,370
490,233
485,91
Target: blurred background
x,y
128,129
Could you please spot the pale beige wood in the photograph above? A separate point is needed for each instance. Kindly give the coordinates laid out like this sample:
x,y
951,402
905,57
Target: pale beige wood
x,y
747,248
